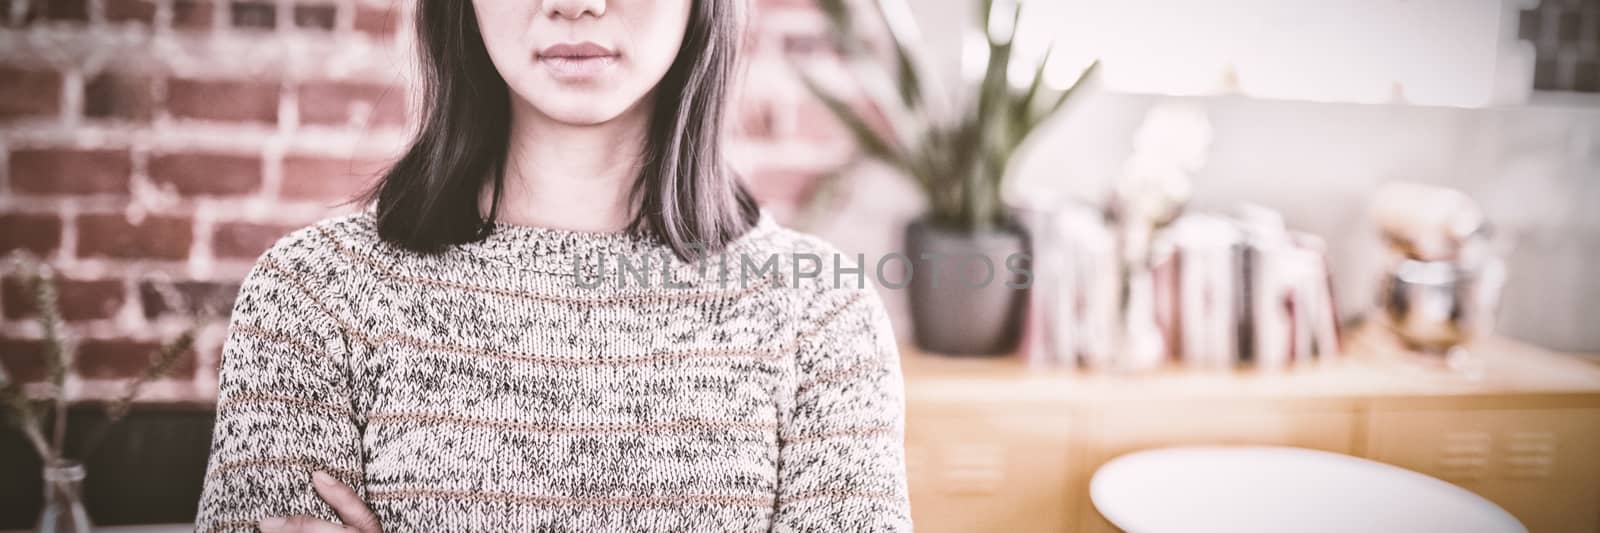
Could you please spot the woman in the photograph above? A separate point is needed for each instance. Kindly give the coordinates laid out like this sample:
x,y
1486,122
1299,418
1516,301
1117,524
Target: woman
x,y
452,358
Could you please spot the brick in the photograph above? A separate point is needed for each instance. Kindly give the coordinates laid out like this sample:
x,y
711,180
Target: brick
x,y
187,297
23,359
810,120
813,121
246,240
155,237
39,234
223,100
315,16
785,188
253,14
66,10
191,14
755,119
807,44
70,171
78,299
140,11
29,93
126,358
322,178
119,96
341,103
207,174
376,22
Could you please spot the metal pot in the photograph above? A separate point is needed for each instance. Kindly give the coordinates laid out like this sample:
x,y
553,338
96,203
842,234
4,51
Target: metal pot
x,y
1434,306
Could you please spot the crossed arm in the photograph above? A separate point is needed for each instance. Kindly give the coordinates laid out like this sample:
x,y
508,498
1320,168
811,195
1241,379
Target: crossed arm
x,y
285,416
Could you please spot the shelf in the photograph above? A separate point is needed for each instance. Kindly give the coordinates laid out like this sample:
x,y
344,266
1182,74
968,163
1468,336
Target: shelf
x,y
1371,368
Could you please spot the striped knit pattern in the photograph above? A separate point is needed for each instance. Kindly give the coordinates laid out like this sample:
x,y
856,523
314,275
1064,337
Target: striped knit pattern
x,y
490,388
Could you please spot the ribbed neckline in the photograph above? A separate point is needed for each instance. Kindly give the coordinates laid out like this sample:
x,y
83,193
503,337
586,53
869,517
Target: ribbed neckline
x,y
515,239
557,250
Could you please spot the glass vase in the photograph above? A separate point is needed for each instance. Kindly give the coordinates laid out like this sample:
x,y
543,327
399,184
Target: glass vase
x,y
63,499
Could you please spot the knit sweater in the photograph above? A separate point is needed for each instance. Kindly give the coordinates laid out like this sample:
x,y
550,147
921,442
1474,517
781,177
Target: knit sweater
x,y
552,380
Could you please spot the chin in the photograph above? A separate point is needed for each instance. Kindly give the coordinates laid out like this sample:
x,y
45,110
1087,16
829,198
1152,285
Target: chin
x,y
580,108
579,115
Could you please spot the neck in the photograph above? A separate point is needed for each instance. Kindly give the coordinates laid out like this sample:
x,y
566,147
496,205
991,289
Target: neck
x,y
570,177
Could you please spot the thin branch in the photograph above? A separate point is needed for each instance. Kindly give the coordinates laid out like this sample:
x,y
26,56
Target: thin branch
x,y
58,352
21,411
159,364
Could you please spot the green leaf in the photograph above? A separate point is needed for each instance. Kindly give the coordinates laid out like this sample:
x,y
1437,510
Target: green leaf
x,y
839,20
995,89
875,145
1061,101
958,157
906,64
910,81
1022,114
837,11
980,206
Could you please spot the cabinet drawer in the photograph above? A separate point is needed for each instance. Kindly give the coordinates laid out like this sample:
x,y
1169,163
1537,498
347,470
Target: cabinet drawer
x,y
997,469
1539,464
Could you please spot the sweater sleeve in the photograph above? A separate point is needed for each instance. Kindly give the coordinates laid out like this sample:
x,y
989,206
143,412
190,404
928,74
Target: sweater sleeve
x,y
842,445
283,405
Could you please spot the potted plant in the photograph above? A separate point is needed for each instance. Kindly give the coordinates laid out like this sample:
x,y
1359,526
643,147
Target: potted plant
x,y
958,155
40,411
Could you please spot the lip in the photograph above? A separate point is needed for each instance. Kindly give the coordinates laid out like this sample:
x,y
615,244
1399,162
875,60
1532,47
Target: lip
x,y
576,61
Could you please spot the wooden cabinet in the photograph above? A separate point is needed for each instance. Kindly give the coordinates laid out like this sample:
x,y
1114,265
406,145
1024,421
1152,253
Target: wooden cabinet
x,y
1542,465
995,446
980,470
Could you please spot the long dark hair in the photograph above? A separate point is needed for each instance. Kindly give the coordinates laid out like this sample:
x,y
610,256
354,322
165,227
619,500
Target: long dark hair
x,y
686,193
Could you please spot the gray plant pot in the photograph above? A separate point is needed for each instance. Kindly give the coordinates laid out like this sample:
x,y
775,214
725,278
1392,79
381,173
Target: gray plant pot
x,y
952,311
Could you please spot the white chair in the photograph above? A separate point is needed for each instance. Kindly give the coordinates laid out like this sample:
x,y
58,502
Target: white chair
x,y
1245,489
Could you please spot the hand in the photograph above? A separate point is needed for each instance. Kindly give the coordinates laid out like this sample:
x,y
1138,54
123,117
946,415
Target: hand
x,y
354,512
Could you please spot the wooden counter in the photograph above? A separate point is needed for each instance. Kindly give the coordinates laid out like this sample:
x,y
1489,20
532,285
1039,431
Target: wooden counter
x,y
993,445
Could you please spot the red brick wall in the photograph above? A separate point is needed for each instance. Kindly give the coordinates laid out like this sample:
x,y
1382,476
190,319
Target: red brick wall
x,y
151,149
